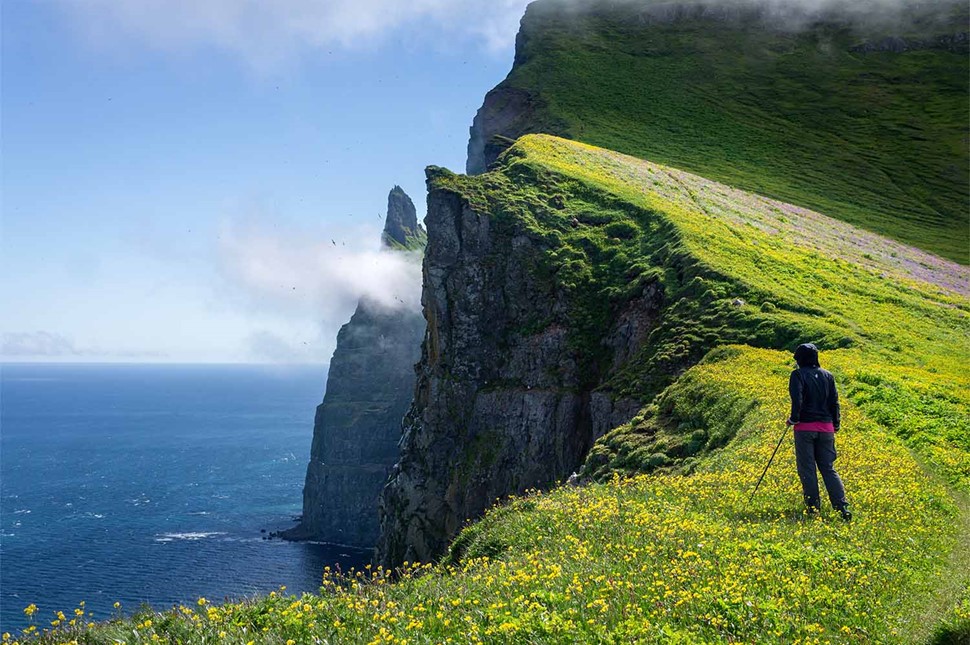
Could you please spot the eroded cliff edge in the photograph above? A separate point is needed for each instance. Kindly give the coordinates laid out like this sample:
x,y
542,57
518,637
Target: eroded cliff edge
x,y
369,388
513,384
570,286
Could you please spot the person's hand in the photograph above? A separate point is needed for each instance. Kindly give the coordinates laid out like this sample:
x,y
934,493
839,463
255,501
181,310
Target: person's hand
x,y
789,422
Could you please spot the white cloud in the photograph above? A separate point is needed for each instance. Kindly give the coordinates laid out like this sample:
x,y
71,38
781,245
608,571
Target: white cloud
x,y
46,345
272,347
267,33
300,276
499,24
38,343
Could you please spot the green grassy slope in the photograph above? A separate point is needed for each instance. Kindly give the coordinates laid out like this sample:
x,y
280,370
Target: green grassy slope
x,y
681,554
878,139
902,314
738,268
652,559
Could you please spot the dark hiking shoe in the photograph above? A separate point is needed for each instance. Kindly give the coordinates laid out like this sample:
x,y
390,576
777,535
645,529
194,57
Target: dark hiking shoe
x,y
845,513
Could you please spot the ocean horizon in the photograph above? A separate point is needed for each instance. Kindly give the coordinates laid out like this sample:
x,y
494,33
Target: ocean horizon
x,y
153,483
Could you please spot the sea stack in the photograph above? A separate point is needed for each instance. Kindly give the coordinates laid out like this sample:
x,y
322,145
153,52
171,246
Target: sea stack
x,y
369,388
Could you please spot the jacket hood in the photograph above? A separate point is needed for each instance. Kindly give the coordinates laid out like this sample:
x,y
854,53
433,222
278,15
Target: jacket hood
x,y
806,355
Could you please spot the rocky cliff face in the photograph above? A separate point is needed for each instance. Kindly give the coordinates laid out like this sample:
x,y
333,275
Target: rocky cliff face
x,y
507,114
505,401
509,111
358,426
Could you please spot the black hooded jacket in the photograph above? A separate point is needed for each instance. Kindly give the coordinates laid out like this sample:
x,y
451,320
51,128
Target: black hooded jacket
x,y
812,390
813,396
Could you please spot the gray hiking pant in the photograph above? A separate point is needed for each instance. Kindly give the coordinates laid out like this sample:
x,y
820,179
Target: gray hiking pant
x,y
817,450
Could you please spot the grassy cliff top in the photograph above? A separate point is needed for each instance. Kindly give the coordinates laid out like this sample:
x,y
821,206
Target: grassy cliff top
x,y
739,268
864,121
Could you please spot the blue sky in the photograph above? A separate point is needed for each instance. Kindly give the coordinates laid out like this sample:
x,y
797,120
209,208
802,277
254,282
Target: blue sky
x,y
204,181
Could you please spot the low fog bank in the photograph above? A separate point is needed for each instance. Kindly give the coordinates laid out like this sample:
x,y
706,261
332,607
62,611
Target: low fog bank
x,y
296,275
865,15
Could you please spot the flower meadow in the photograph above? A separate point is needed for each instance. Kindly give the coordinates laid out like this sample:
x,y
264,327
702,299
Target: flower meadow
x,y
647,559
901,316
669,545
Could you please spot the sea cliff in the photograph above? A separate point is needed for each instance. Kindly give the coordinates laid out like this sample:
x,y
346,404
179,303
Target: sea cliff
x,y
369,388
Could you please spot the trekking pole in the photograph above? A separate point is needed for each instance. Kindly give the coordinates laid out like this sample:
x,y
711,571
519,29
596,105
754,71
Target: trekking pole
x,y
768,465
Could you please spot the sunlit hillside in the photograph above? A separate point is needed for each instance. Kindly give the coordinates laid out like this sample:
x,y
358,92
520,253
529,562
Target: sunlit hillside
x,y
679,552
860,113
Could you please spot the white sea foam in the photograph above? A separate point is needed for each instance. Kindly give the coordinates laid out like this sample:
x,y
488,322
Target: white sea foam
x,y
200,535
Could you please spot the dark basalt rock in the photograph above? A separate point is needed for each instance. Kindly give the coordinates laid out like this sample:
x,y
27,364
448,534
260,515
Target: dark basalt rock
x,y
358,426
507,114
498,408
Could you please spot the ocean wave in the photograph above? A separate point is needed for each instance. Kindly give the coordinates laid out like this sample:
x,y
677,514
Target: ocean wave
x,y
200,535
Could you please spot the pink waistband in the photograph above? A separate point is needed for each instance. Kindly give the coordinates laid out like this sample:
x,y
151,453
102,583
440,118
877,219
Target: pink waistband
x,y
815,426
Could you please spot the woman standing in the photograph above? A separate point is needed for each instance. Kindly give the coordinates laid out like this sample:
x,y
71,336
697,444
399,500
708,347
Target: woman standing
x,y
815,416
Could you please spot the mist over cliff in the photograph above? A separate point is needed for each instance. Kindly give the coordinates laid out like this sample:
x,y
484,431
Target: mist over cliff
x,y
369,387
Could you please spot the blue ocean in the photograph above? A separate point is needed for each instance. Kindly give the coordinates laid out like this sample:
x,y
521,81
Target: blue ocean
x,y
153,484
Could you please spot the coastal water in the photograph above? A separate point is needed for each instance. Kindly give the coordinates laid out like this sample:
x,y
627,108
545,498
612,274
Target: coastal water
x,y
138,483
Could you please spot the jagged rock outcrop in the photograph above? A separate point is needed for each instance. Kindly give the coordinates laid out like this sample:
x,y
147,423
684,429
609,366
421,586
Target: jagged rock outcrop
x,y
507,114
502,404
369,388
401,228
